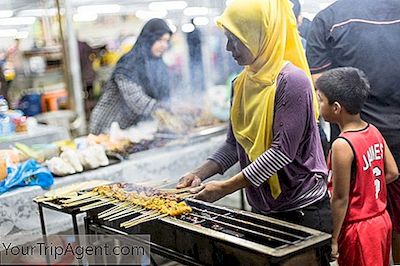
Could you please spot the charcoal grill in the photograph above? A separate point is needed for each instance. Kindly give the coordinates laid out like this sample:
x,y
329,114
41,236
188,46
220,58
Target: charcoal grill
x,y
213,235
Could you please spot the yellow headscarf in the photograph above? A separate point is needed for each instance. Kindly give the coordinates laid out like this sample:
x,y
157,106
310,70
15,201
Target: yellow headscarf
x,y
268,29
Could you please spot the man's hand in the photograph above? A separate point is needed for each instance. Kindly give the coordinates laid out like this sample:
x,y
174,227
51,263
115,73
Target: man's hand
x,y
212,191
334,252
189,180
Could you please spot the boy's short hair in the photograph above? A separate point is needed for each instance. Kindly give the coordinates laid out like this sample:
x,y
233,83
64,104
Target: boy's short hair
x,y
348,86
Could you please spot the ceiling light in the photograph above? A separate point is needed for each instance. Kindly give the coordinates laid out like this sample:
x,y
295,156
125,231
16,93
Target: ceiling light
x,y
6,13
38,12
147,14
167,5
86,17
17,21
228,2
188,27
201,21
99,9
171,25
173,28
195,11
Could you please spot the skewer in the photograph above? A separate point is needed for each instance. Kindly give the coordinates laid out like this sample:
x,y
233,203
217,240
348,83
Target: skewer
x,y
124,211
143,215
147,219
97,204
120,210
53,204
176,190
189,196
79,202
123,214
80,197
113,209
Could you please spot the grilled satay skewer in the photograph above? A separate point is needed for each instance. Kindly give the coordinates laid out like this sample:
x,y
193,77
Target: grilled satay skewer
x,y
117,208
98,204
123,214
143,215
175,190
146,219
120,211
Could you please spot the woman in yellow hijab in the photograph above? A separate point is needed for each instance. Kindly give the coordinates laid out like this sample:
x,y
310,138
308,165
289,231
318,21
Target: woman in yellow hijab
x,y
273,131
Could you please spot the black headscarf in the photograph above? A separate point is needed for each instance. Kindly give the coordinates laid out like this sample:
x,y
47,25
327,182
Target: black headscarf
x,y
140,66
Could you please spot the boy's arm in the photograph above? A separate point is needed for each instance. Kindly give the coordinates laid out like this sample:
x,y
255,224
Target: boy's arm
x,y
391,171
342,158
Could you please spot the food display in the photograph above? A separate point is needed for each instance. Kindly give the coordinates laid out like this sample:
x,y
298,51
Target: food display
x,y
75,161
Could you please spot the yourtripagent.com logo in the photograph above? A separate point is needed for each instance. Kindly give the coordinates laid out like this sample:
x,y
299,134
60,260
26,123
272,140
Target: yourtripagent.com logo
x,y
82,249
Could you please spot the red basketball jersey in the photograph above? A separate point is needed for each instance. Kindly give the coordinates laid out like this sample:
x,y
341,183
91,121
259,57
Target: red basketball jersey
x,y
367,186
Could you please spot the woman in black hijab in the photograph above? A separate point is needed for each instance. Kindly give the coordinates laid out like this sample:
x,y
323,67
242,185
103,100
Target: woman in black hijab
x,y
139,82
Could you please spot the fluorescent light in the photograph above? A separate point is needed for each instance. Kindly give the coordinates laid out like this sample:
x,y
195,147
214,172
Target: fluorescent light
x,y
8,33
87,17
17,21
38,12
195,11
228,2
201,21
22,34
171,25
147,14
188,27
99,9
173,28
167,5
6,13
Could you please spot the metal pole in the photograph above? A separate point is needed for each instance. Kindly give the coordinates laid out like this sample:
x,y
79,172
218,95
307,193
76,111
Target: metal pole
x,y
74,69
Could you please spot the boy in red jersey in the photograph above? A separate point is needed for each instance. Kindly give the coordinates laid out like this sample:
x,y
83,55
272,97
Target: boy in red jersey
x,y
360,166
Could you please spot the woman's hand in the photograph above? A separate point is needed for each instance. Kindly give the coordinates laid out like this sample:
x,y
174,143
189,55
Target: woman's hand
x,y
212,191
196,176
189,180
215,190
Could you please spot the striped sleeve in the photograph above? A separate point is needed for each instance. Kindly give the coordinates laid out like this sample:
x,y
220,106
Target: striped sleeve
x,y
137,100
226,156
265,166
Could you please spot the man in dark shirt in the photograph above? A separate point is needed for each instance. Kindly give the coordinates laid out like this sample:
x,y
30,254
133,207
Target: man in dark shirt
x,y
366,34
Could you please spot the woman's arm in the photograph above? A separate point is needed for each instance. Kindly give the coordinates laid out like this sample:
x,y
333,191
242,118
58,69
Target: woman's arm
x,y
342,158
391,170
135,97
293,107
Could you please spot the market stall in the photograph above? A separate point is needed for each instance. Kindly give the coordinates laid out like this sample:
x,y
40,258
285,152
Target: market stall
x,y
165,165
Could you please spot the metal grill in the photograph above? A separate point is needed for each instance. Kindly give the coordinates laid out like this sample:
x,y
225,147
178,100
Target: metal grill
x,y
213,235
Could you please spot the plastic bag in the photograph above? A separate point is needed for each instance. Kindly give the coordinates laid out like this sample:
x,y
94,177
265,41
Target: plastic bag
x,y
29,173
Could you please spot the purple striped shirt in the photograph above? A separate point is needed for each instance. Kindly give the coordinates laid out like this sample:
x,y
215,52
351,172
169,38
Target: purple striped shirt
x,y
295,155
